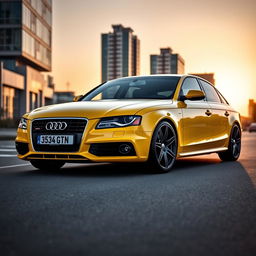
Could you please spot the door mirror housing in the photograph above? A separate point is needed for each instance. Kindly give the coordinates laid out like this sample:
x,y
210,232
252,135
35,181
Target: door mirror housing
x,y
193,95
77,98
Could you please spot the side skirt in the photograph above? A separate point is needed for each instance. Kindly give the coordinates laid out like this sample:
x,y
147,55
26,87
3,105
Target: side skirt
x,y
202,152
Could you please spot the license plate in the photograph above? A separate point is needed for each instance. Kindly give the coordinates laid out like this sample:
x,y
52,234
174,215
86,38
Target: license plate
x,y
55,139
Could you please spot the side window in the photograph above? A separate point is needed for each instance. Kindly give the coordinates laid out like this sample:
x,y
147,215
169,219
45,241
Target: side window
x,y
189,83
210,92
223,100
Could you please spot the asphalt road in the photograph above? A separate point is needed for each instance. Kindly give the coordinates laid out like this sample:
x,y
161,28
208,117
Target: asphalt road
x,y
203,207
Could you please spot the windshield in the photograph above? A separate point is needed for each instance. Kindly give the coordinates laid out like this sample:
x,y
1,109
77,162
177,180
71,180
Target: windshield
x,y
135,88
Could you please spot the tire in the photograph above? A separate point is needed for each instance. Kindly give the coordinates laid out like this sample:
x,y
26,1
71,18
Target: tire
x,y
234,147
47,165
163,149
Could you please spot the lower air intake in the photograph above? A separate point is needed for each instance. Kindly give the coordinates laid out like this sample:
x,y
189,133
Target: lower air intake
x,y
112,149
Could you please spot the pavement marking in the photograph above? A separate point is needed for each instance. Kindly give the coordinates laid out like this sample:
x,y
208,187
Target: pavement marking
x,y
4,155
15,165
7,149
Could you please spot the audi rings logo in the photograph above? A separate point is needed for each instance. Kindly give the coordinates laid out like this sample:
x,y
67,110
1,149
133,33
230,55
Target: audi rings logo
x,y
56,126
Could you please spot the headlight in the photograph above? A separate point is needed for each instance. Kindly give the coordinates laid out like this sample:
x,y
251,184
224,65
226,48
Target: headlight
x,y
23,123
118,121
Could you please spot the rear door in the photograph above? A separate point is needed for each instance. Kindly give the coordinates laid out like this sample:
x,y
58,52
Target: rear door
x,y
194,121
219,117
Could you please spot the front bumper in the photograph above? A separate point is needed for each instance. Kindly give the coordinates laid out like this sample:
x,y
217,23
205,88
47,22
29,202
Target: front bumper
x,y
139,139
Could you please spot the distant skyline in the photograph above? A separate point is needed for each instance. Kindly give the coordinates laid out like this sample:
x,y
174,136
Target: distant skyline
x,y
212,36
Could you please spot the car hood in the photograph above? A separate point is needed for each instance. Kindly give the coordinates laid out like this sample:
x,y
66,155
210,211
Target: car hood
x,y
95,109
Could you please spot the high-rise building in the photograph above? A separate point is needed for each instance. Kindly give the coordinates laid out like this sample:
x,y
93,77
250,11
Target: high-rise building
x,y
166,62
120,53
207,76
135,56
25,52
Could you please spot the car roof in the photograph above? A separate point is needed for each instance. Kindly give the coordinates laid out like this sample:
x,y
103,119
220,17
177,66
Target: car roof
x,y
173,75
160,75
157,75
163,75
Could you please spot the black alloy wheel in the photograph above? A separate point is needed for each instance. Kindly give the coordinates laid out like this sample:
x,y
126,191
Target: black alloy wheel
x,y
234,148
163,150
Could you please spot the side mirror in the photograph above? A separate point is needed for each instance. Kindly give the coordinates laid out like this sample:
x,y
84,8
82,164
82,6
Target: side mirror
x,y
77,98
194,95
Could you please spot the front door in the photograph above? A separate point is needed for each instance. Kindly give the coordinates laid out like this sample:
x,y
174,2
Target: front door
x,y
194,119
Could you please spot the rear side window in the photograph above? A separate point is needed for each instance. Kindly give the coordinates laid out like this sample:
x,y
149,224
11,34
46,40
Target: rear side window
x,y
223,100
210,92
189,83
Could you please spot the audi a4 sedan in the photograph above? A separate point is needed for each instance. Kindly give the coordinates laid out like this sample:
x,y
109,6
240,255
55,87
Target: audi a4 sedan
x,y
154,119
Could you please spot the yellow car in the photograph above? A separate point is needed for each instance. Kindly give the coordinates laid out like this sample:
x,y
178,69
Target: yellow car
x,y
154,119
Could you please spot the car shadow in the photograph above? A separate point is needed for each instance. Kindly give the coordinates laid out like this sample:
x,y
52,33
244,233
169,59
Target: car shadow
x,y
196,161
95,170
126,169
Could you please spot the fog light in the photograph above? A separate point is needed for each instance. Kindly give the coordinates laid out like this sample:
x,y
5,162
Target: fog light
x,y
125,149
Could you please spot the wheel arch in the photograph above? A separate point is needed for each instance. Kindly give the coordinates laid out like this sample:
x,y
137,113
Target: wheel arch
x,y
231,128
239,125
232,125
171,122
174,126
154,117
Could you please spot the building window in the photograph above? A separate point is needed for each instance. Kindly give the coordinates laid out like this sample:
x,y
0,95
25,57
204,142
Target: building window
x,y
35,49
10,13
35,25
47,15
37,5
49,2
10,39
10,103
26,20
28,44
33,100
40,98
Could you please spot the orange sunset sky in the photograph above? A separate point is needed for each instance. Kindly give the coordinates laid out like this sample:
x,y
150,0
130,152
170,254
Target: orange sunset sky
x,y
212,36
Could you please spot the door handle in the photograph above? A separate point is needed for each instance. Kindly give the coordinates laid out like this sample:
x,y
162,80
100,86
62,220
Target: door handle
x,y
208,112
226,113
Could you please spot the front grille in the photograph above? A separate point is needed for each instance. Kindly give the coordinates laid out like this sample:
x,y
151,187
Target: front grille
x,y
75,127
